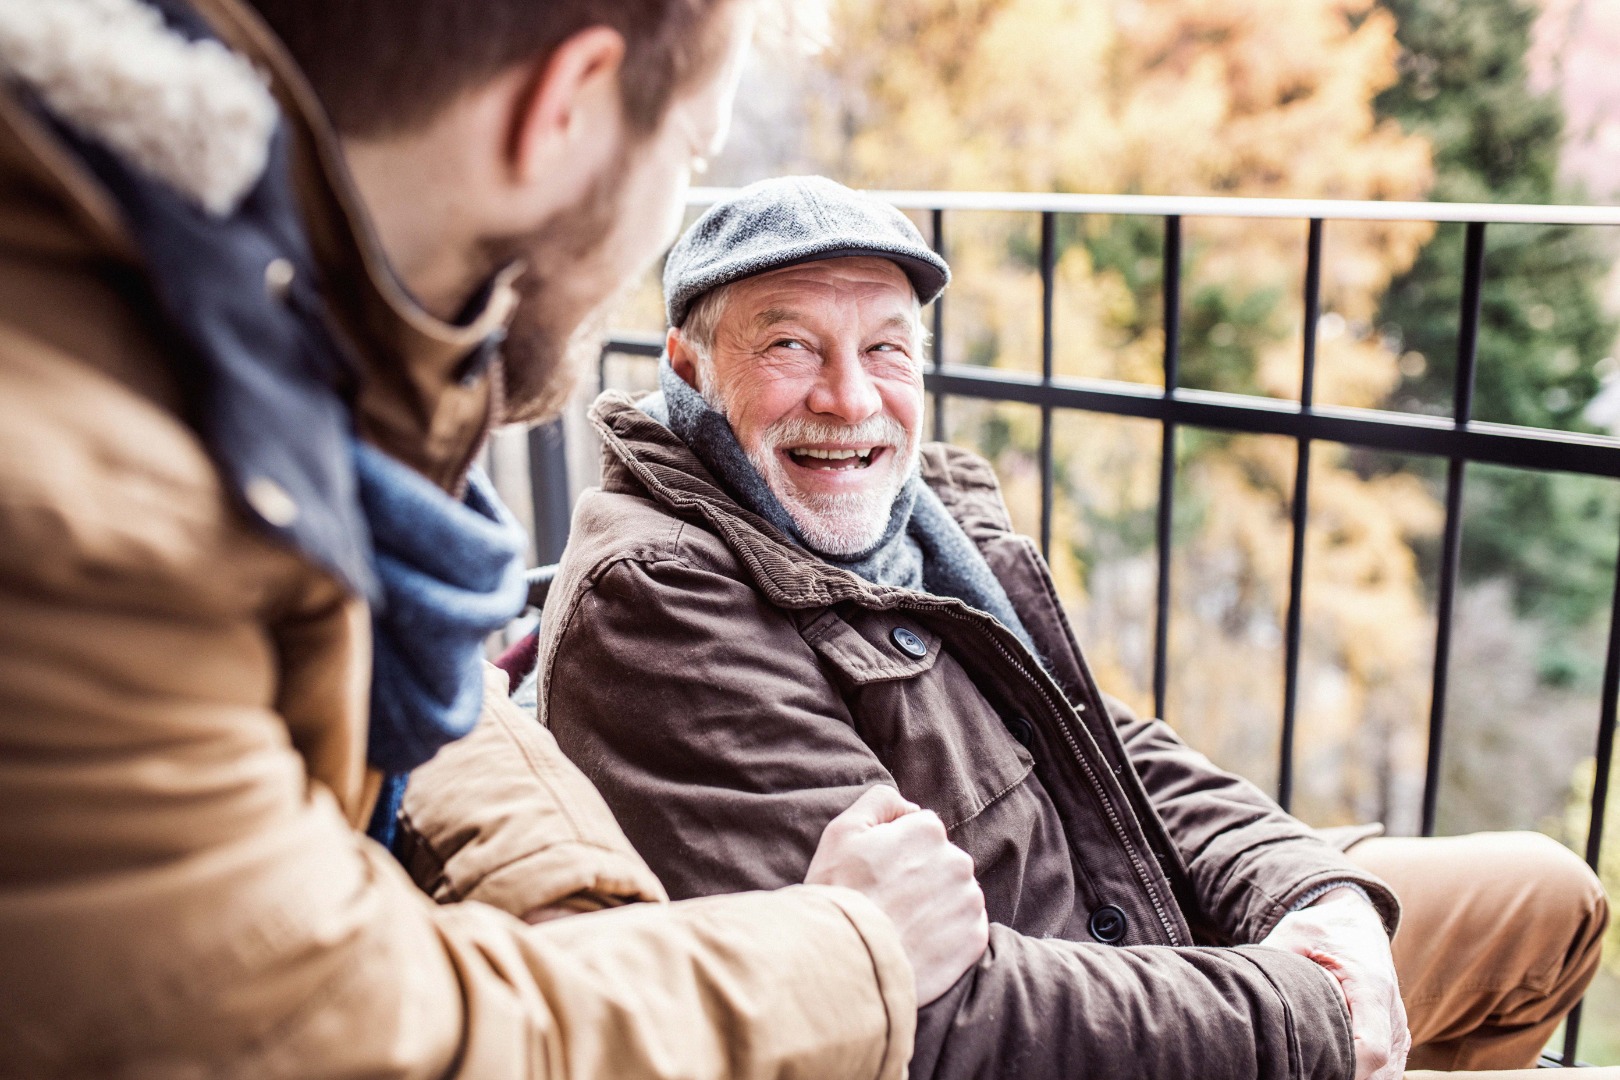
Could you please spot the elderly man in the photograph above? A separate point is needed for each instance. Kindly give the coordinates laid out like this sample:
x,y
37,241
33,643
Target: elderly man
x,y
778,598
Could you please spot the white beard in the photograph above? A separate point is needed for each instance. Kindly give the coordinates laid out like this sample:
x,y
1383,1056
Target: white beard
x,y
847,523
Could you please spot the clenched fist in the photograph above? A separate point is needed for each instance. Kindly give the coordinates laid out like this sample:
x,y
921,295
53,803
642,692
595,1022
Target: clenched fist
x,y
1342,933
898,856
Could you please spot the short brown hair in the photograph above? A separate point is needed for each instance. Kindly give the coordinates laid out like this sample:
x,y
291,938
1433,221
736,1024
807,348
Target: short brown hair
x,y
382,67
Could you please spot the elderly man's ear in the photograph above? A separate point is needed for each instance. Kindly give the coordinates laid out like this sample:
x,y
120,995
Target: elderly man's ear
x,y
682,358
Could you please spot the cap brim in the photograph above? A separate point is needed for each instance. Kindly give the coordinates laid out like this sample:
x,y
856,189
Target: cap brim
x,y
927,280
925,277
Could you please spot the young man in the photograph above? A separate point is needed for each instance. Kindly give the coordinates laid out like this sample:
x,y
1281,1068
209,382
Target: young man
x,y
245,576
779,598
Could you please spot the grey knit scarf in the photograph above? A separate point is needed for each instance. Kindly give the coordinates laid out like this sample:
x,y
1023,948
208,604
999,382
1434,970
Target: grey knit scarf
x,y
922,548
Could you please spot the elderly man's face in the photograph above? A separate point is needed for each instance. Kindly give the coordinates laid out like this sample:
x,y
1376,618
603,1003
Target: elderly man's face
x,y
818,368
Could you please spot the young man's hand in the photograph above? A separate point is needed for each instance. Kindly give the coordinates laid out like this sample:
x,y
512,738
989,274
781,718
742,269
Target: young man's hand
x,y
898,856
1345,935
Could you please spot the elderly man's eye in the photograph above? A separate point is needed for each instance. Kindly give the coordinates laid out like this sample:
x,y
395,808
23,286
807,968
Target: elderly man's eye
x,y
788,343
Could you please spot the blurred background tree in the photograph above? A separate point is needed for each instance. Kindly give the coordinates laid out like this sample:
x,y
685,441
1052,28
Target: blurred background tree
x,y
1538,549
1544,337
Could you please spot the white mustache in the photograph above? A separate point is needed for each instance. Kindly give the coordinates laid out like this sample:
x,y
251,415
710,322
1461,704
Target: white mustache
x,y
799,431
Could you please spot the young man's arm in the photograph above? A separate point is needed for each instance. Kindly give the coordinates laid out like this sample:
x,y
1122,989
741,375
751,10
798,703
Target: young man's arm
x,y
177,896
502,817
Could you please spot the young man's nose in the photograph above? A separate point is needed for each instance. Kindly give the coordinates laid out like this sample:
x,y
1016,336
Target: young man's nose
x,y
845,390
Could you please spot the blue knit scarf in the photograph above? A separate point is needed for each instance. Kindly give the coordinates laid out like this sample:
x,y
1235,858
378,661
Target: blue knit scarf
x,y
451,574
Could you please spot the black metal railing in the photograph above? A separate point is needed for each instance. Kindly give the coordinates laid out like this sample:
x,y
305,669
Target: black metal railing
x,y
1459,440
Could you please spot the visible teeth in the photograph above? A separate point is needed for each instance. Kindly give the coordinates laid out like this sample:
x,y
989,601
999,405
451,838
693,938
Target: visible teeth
x,y
830,455
833,460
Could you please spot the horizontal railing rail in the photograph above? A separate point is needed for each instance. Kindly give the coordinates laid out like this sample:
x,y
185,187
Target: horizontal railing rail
x,y
1160,206
1458,439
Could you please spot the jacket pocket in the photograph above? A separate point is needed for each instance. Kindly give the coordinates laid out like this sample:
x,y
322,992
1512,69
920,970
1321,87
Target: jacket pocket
x,y
920,713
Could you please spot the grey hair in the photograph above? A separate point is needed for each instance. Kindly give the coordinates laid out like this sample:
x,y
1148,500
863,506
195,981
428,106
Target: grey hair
x,y
702,319
697,331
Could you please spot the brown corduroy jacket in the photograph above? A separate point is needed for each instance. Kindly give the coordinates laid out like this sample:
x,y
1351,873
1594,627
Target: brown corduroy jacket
x,y
184,891
729,693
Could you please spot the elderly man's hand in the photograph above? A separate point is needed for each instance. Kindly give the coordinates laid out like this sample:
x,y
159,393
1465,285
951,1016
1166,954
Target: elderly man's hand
x,y
1345,935
898,856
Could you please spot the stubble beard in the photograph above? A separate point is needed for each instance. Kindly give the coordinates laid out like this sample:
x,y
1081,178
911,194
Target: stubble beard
x,y
555,334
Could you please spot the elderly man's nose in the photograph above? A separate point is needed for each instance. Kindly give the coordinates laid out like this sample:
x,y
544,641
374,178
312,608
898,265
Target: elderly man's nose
x,y
845,390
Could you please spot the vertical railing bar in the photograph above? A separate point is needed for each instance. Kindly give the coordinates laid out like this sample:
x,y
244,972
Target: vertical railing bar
x,y
1606,730
1572,1035
1301,514
548,490
1450,557
1603,763
1313,312
1468,342
1451,552
1167,458
938,239
1048,269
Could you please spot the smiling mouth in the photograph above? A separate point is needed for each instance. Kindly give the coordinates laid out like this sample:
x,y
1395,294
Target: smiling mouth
x,y
838,459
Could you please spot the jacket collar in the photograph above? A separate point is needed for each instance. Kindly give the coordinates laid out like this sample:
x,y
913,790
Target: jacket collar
x,y
639,449
428,391
641,455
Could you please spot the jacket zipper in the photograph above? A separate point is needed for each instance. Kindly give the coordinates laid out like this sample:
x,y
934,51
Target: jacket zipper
x,y
1074,749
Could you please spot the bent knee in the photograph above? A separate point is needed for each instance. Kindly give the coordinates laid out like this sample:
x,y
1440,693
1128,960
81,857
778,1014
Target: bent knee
x,y
1557,883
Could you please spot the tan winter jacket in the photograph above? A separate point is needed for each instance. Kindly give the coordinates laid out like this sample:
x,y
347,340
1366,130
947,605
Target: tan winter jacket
x,y
746,691
183,717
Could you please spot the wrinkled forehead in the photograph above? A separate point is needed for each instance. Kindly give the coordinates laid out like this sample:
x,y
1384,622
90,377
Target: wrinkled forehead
x,y
860,288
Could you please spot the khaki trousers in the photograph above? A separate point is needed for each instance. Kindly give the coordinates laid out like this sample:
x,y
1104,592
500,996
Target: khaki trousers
x,y
1500,935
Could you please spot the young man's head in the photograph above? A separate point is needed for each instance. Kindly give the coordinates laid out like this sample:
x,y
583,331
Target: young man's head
x,y
795,309
557,133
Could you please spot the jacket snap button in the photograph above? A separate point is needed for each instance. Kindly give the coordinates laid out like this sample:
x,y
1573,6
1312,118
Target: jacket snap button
x,y
271,501
1022,730
908,643
1108,924
278,278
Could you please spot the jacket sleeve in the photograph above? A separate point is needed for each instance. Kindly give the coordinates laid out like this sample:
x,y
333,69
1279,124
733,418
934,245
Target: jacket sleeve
x,y
722,747
178,898
1044,1007
1250,860
502,817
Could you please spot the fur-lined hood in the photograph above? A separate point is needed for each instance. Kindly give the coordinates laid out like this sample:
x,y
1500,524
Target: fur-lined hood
x,y
201,112
190,113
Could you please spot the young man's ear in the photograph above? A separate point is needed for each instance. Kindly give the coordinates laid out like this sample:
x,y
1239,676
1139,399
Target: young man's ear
x,y
682,358
569,106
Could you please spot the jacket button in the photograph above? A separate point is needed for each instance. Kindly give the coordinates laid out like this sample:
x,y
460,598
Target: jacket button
x,y
908,643
1022,730
278,278
271,501
1108,924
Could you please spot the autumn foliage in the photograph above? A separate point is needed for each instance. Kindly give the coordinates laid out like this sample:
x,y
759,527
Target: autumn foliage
x,y
1220,97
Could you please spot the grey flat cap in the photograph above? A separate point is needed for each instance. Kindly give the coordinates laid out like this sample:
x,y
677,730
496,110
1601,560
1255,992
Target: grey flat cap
x,y
793,219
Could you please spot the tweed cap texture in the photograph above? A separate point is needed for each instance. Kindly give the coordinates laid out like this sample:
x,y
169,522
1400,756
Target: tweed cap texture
x,y
793,219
